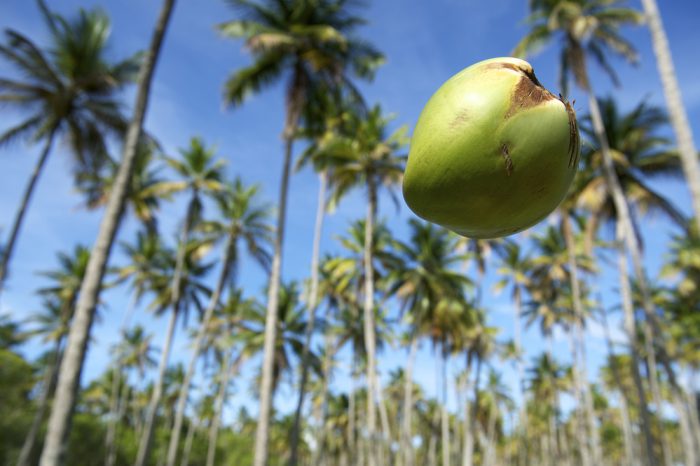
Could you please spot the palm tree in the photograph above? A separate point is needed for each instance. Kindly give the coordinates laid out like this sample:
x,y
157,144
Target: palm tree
x,y
640,154
178,301
244,220
370,160
71,366
67,90
324,116
674,102
133,352
425,284
307,42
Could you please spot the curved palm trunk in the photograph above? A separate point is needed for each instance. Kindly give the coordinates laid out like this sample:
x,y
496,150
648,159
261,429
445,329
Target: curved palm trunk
x,y
72,364
23,205
262,430
121,409
385,450
310,323
368,314
581,386
352,441
323,434
676,109
632,245
49,387
406,450
149,425
229,256
176,291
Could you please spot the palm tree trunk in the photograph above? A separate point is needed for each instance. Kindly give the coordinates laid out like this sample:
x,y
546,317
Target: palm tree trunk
x,y
368,321
432,445
72,364
630,330
313,302
580,425
468,451
624,410
445,419
147,435
113,408
49,386
23,205
386,428
229,370
580,386
352,441
262,430
686,434
406,445
189,440
229,256
676,109
121,409
323,434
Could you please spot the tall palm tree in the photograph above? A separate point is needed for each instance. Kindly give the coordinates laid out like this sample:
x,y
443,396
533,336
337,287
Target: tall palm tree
x,y
425,284
324,116
133,352
71,366
189,271
244,219
305,42
369,160
674,102
640,155
68,90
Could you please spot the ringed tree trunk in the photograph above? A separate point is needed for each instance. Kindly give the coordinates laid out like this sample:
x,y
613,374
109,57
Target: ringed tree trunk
x,y
48,389
676,109
23,205
72,364
368,314
310,323
176,289
262,431
229,257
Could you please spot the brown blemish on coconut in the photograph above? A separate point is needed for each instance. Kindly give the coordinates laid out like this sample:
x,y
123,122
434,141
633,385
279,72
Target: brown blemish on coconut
x,y
528,93
505,152
460,119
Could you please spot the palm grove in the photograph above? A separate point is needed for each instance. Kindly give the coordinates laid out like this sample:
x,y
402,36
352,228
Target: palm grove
x,y
373,291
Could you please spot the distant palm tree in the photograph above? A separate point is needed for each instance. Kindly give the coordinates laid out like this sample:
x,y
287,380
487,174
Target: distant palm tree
x,y
67,90
306,42
72,364
244,219
59,302
369,160
425,283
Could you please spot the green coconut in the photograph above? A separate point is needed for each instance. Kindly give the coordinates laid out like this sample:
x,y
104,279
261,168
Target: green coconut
x,y
493,151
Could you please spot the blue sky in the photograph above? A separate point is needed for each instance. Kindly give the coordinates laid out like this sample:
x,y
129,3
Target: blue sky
x,y
425,43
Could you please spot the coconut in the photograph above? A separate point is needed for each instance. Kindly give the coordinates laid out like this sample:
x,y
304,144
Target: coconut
x,y
493,151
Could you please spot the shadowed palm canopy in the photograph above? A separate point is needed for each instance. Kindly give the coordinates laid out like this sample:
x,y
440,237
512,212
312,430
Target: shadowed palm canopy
x,y
68,88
